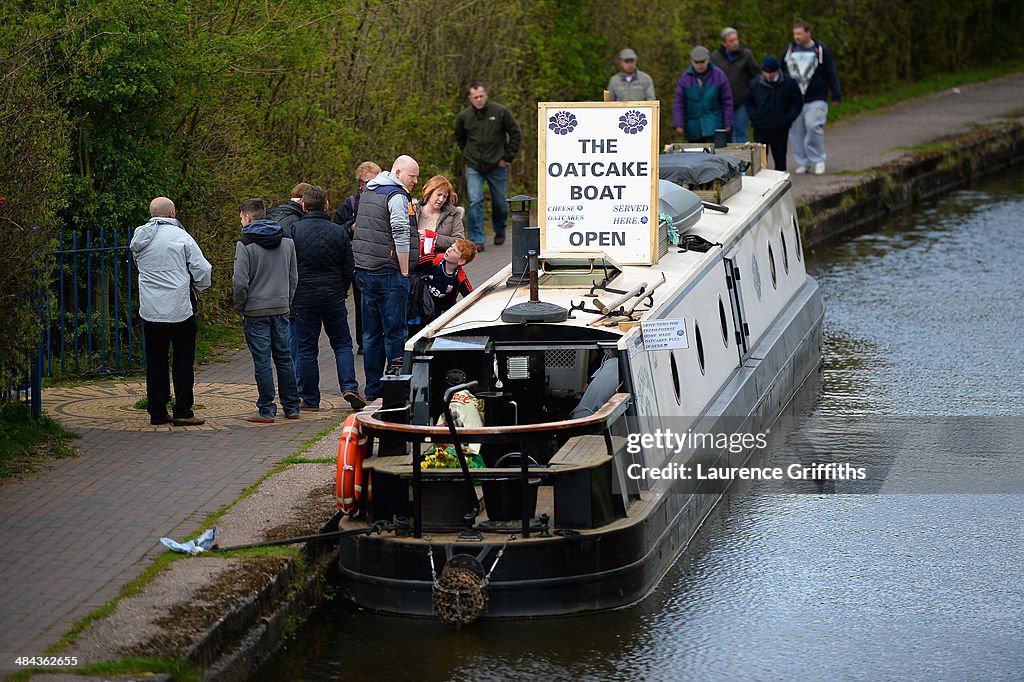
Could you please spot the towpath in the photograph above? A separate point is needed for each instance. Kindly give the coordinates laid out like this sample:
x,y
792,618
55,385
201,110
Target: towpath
x,y
76,533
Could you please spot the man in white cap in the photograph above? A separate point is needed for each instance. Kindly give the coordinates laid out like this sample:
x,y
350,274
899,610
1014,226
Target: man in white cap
x,y
630,84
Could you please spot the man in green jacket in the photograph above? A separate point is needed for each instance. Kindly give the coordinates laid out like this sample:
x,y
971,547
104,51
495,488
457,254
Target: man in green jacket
x,y
489,137
703,102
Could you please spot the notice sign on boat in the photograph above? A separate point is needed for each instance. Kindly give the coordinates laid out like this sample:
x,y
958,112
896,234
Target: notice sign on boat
x,y
598,170
664,334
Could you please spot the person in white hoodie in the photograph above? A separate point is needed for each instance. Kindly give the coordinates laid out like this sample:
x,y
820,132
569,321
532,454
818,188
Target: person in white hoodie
x,y
172,270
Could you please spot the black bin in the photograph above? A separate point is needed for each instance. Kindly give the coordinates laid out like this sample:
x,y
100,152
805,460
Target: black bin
x,y
503,497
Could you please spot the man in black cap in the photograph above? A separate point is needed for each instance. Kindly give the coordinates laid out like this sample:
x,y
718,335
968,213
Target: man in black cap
x,y
703,102
774,101
630,84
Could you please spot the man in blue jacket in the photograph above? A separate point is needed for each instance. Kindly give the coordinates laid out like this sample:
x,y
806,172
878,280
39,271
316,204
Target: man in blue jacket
x,y
774,102
703,100
810,64
324,254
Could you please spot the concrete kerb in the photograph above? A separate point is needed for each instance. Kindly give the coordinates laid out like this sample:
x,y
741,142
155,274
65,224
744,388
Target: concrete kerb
x,y
894,186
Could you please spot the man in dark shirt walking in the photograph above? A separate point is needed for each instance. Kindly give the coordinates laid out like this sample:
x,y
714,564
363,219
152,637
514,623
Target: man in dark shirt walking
x,y
489,137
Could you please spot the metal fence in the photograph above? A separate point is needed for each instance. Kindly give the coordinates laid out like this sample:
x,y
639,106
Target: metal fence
x,y
88,321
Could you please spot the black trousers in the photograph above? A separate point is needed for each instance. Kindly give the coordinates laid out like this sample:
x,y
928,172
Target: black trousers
x,y
161,337
778,144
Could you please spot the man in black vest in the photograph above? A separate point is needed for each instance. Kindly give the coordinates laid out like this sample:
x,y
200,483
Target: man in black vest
x,y
384,246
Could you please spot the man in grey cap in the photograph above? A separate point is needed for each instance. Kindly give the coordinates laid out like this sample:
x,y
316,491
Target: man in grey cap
x,y
630,84
740,66
703,101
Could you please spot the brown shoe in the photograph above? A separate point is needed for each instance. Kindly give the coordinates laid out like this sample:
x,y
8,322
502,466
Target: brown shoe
x,y
294,415
188,421
304,406
355,400
259,419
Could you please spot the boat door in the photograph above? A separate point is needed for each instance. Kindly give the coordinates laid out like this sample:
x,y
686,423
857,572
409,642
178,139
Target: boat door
x,y
739,320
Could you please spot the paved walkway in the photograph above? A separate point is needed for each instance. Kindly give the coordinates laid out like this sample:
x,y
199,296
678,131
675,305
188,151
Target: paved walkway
x,y
76,534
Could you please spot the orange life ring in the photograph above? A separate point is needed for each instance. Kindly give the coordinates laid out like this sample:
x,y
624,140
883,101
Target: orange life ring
x,y
348,482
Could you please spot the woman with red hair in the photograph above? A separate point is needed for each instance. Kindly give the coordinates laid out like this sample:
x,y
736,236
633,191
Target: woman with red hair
x,y
439,214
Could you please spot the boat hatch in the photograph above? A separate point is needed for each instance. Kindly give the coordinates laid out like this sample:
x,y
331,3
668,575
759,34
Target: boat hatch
x,y
583,270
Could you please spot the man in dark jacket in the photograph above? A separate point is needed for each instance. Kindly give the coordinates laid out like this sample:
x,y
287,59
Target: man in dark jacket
x,y
703,102
264,279
810,64
345,215
290,211
489,137
286,215
774,102
740,67
324,255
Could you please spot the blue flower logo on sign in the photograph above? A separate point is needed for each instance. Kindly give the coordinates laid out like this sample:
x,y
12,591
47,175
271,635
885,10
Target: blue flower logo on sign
x,y
633,121
562,123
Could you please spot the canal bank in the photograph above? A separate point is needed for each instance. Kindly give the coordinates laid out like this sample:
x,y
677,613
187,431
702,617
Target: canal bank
x,y
225,616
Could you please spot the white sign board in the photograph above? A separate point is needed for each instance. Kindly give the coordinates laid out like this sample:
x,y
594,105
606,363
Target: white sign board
x,y
598,179
664,334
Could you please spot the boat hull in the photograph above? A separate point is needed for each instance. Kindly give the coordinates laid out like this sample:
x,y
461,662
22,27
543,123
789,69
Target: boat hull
x,y
619,564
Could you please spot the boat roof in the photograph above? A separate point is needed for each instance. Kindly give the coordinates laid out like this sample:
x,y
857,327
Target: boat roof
x,y
482,309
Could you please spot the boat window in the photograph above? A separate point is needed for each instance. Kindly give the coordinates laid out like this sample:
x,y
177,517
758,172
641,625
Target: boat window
x,y
756,274
724,321
799,244
771,266
785,251
700,346
675,378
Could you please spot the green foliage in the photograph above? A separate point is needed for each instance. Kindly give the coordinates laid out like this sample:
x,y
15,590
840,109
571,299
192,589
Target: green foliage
x,y
25,441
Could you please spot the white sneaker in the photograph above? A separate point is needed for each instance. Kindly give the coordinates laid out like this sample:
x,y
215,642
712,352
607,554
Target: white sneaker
x,y
800,170
819,168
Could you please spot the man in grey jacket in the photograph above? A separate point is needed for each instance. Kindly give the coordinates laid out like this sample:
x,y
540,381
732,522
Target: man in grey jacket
x,y
630,84
384,246
171,270
264,279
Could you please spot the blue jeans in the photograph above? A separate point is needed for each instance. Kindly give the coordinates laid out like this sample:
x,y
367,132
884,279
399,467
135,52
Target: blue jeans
x,y
293,346
333,317
497,180
385,306
740,123
267,336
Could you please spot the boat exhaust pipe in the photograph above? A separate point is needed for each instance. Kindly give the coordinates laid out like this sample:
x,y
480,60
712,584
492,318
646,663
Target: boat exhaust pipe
x,y
524,239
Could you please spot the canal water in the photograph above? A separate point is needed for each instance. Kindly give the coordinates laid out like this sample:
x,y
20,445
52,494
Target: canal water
x,y
918,575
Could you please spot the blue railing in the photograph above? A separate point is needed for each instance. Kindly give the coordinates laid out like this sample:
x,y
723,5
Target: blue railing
x,y
88,321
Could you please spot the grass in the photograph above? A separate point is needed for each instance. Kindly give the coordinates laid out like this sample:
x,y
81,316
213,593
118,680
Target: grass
x,y
27,441
859,104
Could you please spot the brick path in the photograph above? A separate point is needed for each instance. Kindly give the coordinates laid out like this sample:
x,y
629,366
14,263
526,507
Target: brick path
x,y
74,535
